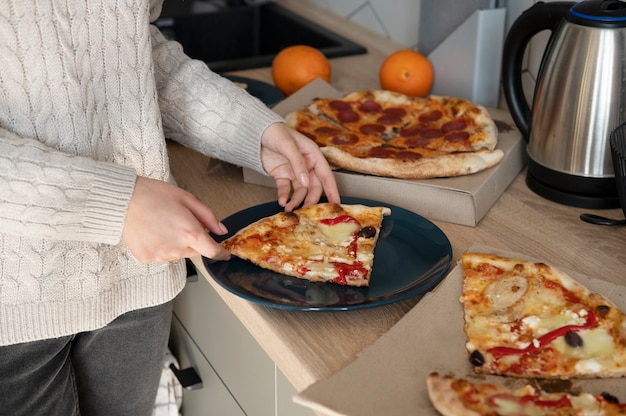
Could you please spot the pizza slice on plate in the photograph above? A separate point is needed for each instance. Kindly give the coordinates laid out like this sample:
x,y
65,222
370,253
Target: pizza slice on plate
x,y
322,243
453,396
528,319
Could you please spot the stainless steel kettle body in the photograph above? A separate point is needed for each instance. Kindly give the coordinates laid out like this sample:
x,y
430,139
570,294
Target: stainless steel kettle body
x,y
579,98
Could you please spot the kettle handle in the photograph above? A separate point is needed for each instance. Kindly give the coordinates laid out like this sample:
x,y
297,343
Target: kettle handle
x,y
541,16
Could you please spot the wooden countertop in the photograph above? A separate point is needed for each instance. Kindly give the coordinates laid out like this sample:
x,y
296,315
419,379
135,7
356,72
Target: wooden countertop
x,y
309,346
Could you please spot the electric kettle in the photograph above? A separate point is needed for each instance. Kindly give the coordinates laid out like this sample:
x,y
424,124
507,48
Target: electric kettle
x,y
579,98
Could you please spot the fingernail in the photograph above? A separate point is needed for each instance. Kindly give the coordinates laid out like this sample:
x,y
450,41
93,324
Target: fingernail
x,y
223,228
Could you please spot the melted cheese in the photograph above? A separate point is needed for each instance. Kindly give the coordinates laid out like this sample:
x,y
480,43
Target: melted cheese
x,y
322,270
340,233
597,343
511,406
543,325
590,366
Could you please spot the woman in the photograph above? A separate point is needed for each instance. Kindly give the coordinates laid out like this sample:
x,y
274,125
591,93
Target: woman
x,y
91,225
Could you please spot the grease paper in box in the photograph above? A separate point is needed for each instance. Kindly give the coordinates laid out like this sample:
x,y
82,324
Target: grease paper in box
x,y
463,200
389,377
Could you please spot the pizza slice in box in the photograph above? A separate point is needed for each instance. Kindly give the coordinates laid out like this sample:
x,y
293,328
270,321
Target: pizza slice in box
x,y
325,242
528,319
453,396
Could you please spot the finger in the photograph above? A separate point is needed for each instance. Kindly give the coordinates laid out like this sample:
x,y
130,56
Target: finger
x,y
314,192
329,185
296,160
207,247
284,190
213,251
206,217
296,198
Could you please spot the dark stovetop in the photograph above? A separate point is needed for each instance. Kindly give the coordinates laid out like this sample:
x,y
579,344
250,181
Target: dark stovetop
x,y
232,35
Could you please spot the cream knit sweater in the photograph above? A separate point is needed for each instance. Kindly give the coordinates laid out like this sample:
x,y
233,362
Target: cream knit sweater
x,y
88,91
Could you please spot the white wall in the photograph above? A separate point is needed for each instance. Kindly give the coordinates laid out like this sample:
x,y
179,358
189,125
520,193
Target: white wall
x,y
399,20
396,19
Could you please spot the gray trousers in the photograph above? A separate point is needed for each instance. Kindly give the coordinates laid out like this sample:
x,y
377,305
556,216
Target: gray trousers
x,y
111,371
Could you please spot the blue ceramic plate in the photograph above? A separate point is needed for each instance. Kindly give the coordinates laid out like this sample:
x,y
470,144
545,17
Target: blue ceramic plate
x,y
412,256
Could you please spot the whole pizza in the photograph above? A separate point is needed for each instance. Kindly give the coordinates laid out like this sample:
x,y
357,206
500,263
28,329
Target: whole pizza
x,y
391,134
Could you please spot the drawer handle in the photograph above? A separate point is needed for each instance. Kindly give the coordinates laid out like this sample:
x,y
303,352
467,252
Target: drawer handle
x,y
192,272
188,377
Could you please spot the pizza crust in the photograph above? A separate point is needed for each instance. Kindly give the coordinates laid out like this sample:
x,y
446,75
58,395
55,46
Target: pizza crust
x,y
390,134
445,165
453,396
444,398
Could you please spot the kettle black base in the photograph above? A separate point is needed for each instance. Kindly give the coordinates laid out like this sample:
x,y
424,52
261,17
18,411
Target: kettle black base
x,y
573,190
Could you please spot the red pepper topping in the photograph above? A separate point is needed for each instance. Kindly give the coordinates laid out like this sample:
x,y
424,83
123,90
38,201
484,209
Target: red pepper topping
x,y
347,272
338,220
564,401
555,404
303,270
352,249
543,340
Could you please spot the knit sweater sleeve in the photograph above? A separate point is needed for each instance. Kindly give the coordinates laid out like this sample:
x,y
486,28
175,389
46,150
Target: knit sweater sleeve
x,y
205,111
56,196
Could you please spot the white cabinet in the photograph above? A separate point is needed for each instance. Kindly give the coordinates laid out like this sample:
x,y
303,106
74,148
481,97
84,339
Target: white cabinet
x,y
238,376
213,398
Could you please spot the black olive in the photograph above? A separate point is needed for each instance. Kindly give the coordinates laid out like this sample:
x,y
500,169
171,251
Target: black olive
x,y
367,232
609,397
476,358
573,339
603,310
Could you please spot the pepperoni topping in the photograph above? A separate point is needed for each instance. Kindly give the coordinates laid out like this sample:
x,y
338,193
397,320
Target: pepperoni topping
x,y
411,131
454,125
327,131
456,136
389,119
381,152
417,142
431,133
347,116
372,128
395,111
431,116
339,105
370,107
408,155
344,139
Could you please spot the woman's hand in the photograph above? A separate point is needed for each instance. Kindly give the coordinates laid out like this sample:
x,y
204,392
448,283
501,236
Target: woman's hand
x,y
296,163
166,223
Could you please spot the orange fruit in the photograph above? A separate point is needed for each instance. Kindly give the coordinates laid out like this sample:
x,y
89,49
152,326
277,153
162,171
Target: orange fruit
x,y
296,66
408,72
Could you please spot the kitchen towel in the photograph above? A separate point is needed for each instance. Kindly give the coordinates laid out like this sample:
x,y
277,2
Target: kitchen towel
x,y
169,397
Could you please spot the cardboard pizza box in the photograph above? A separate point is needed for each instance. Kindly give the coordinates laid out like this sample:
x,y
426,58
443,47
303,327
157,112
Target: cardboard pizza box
x,y
462,200
389,377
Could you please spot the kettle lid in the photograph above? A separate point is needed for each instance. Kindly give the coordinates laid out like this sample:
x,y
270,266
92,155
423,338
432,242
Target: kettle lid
x,y
599,13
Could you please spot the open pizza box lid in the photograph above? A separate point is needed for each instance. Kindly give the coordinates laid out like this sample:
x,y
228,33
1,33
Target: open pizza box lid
x,y
389,377
462,200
